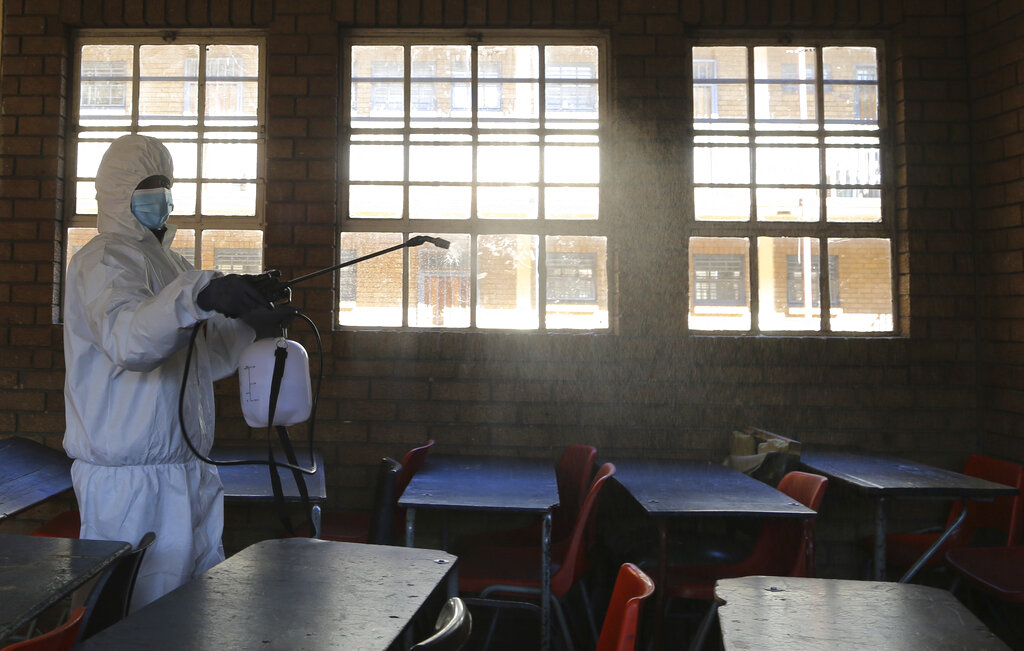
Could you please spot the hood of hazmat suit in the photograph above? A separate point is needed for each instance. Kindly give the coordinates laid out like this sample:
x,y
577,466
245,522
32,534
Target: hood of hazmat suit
x,y
129,309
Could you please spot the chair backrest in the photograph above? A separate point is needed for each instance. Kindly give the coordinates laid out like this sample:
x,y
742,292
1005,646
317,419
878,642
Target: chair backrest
x,y
1000,517
382,519
452,630
791,542
61,638
574,562
632,587
411,463
110,599
573,473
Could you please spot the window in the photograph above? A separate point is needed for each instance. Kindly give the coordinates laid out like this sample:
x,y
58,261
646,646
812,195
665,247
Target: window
x,y
347,277
493,144
719,279
788,171
149,86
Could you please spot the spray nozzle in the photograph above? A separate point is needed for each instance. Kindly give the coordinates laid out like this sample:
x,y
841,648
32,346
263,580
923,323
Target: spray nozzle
x,y
436,241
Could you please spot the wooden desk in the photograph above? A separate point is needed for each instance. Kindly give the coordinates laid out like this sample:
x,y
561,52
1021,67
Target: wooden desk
x,y
291,594
799,614
680,488
36,573
473,483
30,473
882,477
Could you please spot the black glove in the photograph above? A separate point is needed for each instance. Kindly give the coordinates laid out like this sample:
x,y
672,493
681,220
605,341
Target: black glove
x,y
232,296
270,322
270,285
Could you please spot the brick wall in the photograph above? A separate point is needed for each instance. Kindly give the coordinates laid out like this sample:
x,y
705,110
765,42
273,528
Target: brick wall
x,y
649,389
996,36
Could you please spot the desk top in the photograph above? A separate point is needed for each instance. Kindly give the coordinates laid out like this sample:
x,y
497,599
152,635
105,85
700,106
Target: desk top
x,y
770,612
295,593
889,476
483,483
37,572
252,483
696,488
30,472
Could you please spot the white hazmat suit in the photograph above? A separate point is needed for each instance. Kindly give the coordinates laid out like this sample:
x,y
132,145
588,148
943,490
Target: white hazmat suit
x,y
129,309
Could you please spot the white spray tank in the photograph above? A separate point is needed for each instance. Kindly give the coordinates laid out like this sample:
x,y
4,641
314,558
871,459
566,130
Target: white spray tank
x,y
256,378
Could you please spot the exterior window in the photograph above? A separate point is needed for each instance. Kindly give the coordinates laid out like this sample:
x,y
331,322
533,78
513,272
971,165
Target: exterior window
x,y
347,277
719,279
788,164
216,137
795,280
464,148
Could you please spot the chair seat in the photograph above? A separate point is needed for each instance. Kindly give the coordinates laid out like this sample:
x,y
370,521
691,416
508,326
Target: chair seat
x,y
997,569
487,566
345,527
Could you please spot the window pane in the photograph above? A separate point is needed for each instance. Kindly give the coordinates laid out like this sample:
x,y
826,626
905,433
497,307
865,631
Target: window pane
x,y
439,202
577,285
508,164
440,163
719,87
77,238
229,160
376,162
786,165
719,283
378,299
721,204
784,87
375,201
507,282
864,281
851,169
184,196
508,91
235,199
854,104
580,164
515,202
377,91
185,156
721,165
788,205
439,285
185,244
570,94
571,203
232,84
789,292
233,251
438,98
105,95
168,84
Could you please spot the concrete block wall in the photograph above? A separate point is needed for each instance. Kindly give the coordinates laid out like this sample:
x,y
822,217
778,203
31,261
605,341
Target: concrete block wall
x,y
648,388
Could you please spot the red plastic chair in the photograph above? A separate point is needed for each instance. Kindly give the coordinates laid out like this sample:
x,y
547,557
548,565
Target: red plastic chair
x,y
499,570
354,526
632,587
784,546
61,638
1000,517
996,570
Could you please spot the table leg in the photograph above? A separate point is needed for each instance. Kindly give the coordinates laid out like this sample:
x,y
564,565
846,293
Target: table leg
x,y
410,526
545,583
659,582
919,563
880,532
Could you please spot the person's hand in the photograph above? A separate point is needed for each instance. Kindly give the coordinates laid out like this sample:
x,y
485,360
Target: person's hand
x,y
270,285
270,322
232,295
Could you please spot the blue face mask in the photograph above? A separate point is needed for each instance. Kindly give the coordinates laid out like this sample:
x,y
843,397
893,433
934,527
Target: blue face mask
x,y
152,207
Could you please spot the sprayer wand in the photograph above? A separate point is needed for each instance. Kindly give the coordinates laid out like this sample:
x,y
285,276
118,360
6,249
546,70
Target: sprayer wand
x,y
413,241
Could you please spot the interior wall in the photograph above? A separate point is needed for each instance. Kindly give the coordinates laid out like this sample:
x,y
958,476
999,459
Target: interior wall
x,y
650,387
996,29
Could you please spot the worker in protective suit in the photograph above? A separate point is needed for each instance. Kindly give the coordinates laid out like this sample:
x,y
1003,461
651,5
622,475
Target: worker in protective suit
x,y
130,305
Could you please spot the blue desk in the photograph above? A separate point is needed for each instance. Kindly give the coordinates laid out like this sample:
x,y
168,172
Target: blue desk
x,y
30,473
504,484
36,573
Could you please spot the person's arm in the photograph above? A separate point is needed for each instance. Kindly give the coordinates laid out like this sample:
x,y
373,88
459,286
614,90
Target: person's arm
x,y
136,328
